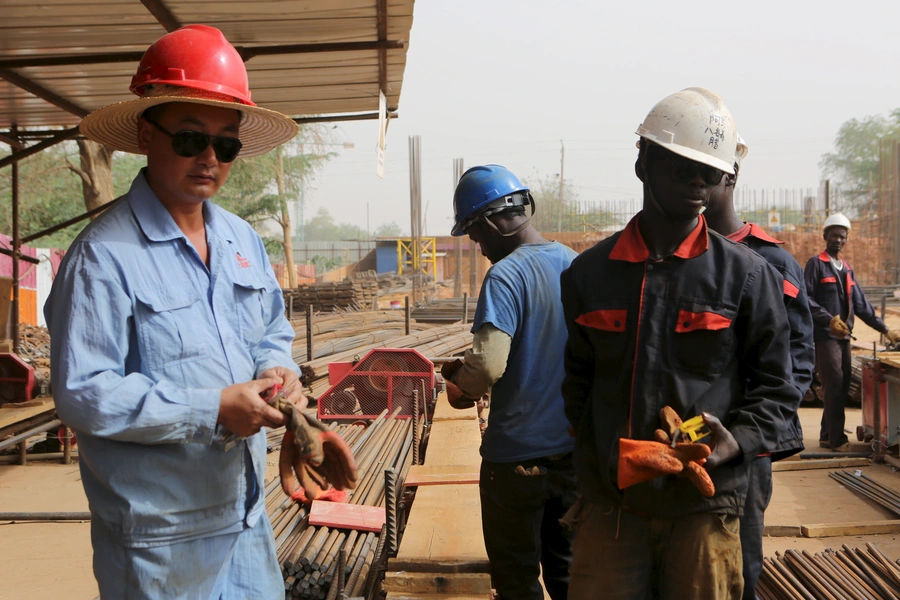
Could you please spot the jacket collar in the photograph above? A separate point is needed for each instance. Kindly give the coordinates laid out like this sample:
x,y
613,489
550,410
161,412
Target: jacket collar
x,y
824,257
752,230
156,222
631,247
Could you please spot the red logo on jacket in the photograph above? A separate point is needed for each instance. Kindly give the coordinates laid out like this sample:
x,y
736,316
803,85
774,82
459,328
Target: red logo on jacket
x,y
242,262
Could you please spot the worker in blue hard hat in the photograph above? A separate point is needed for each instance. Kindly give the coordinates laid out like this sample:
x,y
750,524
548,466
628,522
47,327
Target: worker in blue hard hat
x,y
527,479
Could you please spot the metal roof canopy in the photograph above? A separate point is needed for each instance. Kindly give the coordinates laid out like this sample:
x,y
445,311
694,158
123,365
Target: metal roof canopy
x,y
314,60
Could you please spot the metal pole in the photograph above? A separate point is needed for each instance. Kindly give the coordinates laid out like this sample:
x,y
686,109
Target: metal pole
x,y
562,168
16,250
878,448
67,445
309,334
465,308
415,416
406,316
390,507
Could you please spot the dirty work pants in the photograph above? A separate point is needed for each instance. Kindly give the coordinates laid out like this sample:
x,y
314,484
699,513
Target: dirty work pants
x,y
232,566
618,555
522,534
833,365
759,493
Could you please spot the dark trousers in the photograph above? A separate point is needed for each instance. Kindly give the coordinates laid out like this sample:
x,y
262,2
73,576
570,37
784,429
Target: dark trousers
x,y
759,493
833,365
520,517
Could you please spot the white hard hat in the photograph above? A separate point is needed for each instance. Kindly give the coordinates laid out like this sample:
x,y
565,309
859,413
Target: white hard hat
x,y
696,124
837,219
741,151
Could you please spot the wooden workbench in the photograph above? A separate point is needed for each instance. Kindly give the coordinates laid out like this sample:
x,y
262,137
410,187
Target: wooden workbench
x,y
10,414
442,552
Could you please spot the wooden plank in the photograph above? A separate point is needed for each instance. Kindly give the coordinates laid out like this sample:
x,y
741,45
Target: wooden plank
x,y
13,413
409,596
842,529
782,531
437,583
347,516
420,475
444,412
819,463
454,443
443,533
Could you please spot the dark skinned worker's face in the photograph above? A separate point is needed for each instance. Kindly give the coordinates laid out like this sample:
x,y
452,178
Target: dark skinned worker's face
x,y
680,186
835,239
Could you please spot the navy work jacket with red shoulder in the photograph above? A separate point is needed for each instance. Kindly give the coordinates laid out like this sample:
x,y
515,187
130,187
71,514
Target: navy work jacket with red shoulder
x,y
826,300
795,301
702,330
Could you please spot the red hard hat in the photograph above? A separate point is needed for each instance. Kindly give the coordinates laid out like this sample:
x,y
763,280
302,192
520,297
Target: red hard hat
x,y
196,57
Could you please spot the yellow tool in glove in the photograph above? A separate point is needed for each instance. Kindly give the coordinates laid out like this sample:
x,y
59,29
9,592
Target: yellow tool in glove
x,y
693,429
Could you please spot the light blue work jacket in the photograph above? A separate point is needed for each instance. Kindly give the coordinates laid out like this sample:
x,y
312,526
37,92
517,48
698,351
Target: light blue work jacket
x,y
144,339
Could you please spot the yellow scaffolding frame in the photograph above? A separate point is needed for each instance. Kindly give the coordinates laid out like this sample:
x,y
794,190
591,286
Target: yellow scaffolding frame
x,y
417,262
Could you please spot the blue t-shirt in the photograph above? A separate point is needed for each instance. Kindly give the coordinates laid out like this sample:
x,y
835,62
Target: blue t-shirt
x,y
521,297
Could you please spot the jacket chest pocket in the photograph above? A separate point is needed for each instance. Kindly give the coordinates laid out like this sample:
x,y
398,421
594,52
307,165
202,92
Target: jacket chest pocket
x,y
249,294
702,338
606,328
167,320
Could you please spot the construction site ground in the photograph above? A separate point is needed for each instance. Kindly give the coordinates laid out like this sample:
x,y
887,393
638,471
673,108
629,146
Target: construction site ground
x,y
46,560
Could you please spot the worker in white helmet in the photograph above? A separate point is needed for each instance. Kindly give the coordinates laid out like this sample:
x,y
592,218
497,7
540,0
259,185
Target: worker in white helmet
x,y
835,300
667,313
723,219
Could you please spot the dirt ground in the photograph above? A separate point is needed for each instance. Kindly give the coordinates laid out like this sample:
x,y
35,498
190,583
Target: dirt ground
x,y
44,560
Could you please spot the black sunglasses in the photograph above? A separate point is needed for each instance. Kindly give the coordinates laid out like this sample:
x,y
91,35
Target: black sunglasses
x,y
684,170
189,143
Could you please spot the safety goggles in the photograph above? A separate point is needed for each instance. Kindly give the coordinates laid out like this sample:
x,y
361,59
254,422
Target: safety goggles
x,y
684,170
189,143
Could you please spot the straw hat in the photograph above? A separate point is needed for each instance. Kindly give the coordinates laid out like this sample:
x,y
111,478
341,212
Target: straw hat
x,y
197,65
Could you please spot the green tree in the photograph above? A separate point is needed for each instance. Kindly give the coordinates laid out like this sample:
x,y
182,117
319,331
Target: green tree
x,y
388,230
854,162
323,228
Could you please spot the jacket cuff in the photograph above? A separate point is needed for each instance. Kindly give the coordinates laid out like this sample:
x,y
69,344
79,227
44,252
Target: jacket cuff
x,y
750,443
204,414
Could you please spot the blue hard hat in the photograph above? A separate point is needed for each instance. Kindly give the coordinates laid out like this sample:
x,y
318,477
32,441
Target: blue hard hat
x,y
480,189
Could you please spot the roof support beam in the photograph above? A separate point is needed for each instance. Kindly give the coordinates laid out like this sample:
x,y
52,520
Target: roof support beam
x,y
42,93
11,141
334,118
62,136
246,54
381,21
162,14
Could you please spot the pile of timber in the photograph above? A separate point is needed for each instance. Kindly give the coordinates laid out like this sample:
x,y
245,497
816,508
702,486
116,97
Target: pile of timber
x,y
359,293
447,310
437,341
848,573
311,556
34,348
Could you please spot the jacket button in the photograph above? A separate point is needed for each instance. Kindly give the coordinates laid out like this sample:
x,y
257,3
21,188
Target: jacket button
x,y
686,324
618,323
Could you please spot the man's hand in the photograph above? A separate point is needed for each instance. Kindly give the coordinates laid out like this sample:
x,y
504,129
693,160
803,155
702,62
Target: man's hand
x,y
838,328
242,410
893,336
724,446
290,384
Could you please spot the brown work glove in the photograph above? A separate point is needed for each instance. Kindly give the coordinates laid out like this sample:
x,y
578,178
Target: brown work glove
x,y
838,328
893,336
317,456
455,395
643,460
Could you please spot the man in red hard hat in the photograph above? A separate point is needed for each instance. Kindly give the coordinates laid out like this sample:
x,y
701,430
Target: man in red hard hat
x,y
167,325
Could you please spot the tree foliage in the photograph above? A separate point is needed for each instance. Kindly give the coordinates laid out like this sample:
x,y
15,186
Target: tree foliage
x,y
573,214
388,230
854,162
323,228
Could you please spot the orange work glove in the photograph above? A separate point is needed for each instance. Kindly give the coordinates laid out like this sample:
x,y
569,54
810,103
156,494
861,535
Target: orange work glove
x,y
316,456
643,460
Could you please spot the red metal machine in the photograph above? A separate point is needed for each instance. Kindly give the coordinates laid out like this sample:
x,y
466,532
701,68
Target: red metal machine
x,y
16,379
880,404
384,379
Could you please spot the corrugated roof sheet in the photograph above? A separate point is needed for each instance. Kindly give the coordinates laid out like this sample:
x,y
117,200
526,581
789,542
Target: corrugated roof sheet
x,y
306,84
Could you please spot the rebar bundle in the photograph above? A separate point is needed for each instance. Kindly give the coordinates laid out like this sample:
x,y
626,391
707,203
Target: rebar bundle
x,y
869,488
847,574
309,555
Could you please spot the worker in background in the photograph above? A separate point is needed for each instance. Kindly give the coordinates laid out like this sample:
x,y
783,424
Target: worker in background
x,y
669,313
835,300
167,324
527,481
721,217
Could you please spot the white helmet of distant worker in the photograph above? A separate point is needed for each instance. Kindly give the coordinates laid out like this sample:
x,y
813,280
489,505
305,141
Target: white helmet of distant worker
x,y
837,219
696,124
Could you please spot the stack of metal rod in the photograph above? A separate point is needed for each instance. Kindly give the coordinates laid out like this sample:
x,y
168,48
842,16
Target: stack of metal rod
x,y
867,487
847,574
447,310
310,556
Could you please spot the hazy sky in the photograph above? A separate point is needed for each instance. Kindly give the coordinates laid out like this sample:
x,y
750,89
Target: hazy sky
x,y
505,81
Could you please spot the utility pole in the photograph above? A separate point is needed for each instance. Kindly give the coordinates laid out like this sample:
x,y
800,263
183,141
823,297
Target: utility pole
x,y
562,178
